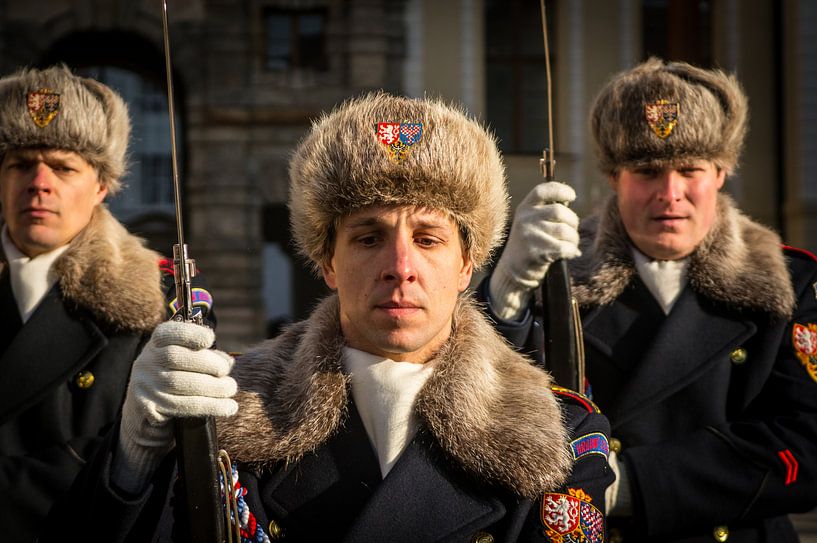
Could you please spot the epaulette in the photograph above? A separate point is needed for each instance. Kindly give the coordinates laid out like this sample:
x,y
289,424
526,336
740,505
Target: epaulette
x,y
166,266
576,397
800,251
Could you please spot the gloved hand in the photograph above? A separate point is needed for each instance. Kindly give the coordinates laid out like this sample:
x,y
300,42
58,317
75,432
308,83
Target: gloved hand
x,y
175,376
619,495
544,230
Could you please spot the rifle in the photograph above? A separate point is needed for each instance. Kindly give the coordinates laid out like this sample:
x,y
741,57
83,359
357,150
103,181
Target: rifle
x,y
196,442
564,345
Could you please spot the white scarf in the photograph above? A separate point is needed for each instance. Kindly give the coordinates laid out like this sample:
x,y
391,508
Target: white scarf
x,y
665,279
384,392
31,278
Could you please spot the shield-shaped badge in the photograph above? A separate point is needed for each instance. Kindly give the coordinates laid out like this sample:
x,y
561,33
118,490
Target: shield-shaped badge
x,y
560,513
662,116
388,133
43,106
804,340
410,133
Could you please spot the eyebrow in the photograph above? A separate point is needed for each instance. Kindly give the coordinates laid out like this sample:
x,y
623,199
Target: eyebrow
x,y
376,221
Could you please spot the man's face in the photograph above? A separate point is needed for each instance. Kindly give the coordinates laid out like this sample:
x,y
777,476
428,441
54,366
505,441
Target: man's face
x,y
667,213
48,196
398,272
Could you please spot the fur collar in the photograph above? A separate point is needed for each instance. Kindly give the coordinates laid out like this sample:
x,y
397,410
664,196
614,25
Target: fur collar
x,y
740,263
487,406
108,272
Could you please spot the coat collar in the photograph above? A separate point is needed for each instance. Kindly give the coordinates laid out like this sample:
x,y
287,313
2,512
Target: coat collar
x,y
111,274
489,409
739,264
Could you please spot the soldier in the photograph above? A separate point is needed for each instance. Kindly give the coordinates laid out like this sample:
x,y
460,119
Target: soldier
x,y
395,412
79,295
699,325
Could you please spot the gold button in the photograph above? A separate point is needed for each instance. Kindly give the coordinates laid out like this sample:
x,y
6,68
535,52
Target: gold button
x,y
615,445
738,356
615,536
84,379
482,537
721,533
275,530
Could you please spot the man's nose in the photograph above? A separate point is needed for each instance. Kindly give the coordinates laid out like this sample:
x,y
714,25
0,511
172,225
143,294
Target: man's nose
x,y
399,265
671,186
41,179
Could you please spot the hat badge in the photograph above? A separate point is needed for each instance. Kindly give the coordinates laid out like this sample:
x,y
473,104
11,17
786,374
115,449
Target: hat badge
x,y
398,138
43,106
662,116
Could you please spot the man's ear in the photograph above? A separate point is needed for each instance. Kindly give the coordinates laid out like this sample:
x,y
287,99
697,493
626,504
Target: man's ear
x,y
101,193
721,179
466,272
329,277
612,180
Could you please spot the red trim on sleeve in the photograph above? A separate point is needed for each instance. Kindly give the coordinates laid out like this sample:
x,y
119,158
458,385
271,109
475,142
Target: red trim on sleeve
x,y
791,465
801,251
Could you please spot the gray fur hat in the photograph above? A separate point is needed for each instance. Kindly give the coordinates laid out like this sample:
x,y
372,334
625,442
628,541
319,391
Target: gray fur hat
x,y
54,108
381,149
661,113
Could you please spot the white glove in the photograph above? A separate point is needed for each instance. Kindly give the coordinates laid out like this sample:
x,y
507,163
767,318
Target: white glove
x,y
544,230
175,376
618,495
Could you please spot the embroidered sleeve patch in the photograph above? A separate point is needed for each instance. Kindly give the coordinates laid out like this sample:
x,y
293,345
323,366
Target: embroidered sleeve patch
x,y
595,443
571,518
200,298
804,340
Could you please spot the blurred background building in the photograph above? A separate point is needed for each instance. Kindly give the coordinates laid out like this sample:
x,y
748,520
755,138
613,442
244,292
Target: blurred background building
x,y
250,75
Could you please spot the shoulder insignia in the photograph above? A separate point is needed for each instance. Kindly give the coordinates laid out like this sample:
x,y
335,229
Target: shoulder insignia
x,y
571,518
595,443
247,523
166,266
581,399
200,298
804,340
798,250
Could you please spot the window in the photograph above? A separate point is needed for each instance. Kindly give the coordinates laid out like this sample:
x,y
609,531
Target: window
x,y
295,39
678,30
516,92
149,181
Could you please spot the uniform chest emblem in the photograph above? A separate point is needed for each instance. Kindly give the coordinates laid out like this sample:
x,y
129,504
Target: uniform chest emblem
x,y
43,105
804,339
662,116
398,138
571,518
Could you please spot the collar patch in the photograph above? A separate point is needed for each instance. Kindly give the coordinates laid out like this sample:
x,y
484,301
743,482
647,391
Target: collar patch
x,y
43,106
398,138
662,116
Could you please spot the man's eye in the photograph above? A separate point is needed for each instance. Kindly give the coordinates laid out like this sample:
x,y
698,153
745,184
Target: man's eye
x,y
367,241
427,242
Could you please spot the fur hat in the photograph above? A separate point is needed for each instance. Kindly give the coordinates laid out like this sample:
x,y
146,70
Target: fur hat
x,y
54,108
372,150
659,114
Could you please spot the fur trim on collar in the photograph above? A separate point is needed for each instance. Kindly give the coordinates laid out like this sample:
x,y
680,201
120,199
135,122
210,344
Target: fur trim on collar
x,y
487,406
740,263
108,272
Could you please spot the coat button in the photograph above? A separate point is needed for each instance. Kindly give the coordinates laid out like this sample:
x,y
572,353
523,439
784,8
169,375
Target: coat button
x,y
84,379
615,445
275,530
721,533
482,537
738,356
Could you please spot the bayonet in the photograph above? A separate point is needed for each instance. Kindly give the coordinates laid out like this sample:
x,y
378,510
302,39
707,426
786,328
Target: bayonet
x,y
564,345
